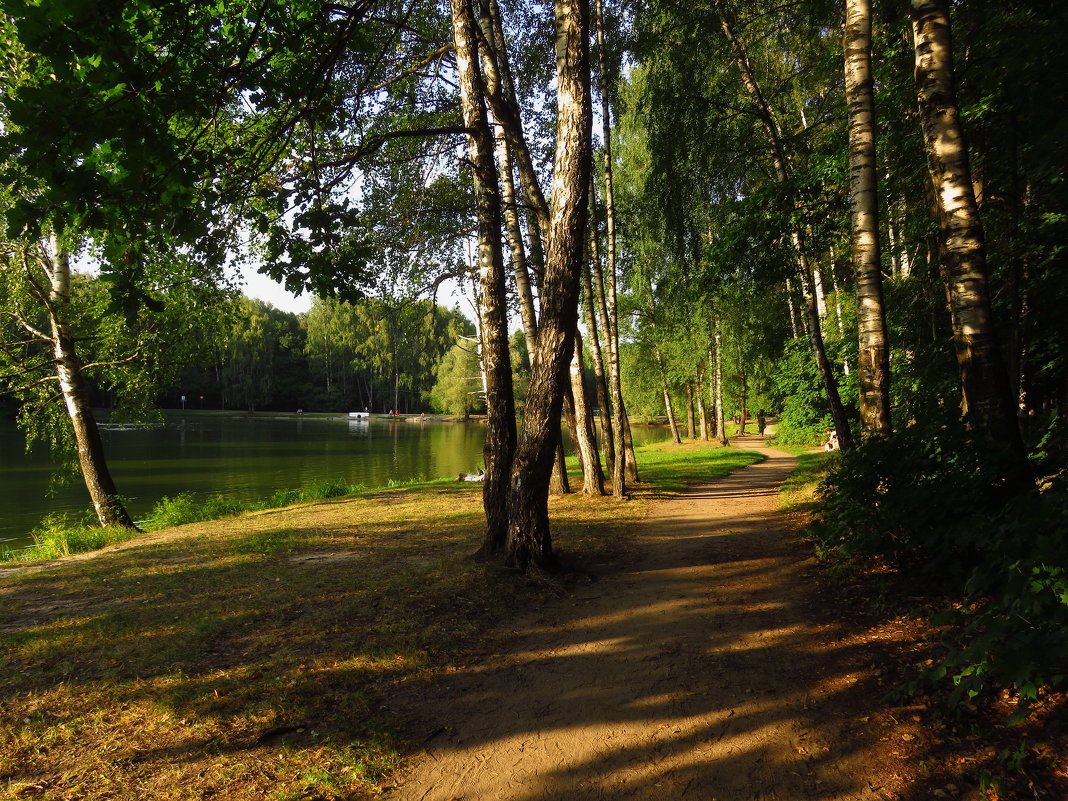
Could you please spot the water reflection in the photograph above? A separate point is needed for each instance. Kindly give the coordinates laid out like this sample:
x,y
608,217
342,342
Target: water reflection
x,y
240,456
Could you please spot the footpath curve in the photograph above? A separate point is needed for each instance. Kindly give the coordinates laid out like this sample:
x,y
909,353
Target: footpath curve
x,y
705,670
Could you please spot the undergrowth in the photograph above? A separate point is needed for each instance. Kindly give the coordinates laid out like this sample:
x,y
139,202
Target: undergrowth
x,y
985,550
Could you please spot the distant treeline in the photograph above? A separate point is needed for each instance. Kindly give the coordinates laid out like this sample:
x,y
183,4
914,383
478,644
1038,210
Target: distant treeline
x,y
374,354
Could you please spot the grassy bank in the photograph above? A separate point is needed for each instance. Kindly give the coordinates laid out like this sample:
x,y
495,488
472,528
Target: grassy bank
x,y
272,655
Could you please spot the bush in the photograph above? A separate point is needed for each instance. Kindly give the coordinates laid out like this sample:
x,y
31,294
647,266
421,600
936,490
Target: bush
x,y
991,553
805,418
62,535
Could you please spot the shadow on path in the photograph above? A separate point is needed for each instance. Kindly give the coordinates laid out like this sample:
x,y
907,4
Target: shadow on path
x,y
704,670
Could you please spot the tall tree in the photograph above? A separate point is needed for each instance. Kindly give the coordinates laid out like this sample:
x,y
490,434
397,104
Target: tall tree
x,y
988,401
500,402
38,277
874,349
529,538
780,159
624,464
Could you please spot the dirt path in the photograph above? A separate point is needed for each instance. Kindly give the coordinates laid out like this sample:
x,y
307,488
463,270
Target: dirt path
x,y
705,670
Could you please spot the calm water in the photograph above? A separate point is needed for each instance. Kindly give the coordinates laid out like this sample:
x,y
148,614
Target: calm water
x,y
242,457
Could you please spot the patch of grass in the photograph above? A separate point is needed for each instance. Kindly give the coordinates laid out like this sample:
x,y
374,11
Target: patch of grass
x,y
185,508
271,542
190,666
64,535
799,489
404,482
672,468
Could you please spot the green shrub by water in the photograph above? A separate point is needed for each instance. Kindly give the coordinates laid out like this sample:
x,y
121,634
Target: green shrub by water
x,y
64,534
185,508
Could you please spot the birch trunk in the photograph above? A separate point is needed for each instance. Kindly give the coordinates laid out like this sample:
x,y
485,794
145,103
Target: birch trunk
x,y
795,329
702,407
691,421
721,423
596,352
529,538
103,493
873,354
623,441
502,98
988,402
671,417
514,231
500,400
586,442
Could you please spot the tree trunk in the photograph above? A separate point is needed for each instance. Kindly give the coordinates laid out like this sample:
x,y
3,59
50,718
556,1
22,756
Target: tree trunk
x,y
529,538
600,381
594,340
103,494
606,314
873,360
559,482
497,367
988,402
525,294
669,409
821,300
586,442
721,423
691,422
671,415
702,407
502,98
830,384
623,440
795,329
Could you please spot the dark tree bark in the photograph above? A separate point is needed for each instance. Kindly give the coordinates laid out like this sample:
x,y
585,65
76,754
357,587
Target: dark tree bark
x,y
497,367
529,538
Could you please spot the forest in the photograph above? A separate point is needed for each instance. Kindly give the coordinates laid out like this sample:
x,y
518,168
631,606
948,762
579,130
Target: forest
x,y
849,214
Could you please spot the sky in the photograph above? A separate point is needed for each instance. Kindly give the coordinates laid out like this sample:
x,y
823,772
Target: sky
x,y
261,287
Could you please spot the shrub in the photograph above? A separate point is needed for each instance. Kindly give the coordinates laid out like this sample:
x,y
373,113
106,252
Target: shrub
x,y
990,552
63,535
804,418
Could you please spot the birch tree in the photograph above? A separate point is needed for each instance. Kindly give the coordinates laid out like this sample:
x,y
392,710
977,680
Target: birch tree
x,y
500,402
988,405
874,350
529,538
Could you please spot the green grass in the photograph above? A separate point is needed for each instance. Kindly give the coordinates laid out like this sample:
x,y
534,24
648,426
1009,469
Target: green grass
x,y
798,491
672,468
64,535
255,657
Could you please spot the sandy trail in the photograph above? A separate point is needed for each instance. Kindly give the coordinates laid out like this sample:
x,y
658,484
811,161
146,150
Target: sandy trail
x,y
705,670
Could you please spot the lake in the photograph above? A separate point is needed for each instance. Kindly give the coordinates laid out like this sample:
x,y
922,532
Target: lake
x,y
245,457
